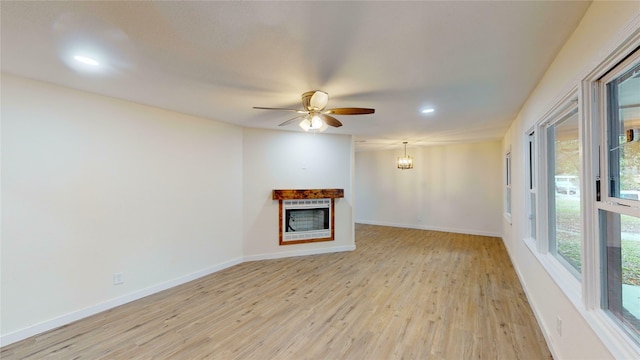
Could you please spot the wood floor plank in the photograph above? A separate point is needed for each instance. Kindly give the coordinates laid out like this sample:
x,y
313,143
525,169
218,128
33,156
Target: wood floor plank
x,y
402,294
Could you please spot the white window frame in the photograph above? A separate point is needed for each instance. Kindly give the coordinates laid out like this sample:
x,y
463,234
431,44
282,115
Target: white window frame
x,y
566,109
606,202
540,248
531,188
613,336
604,170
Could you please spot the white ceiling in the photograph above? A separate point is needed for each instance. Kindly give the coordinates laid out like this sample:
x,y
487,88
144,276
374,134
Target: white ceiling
x,y
474,62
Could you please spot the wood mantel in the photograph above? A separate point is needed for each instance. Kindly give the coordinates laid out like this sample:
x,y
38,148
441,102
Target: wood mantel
x,y
307,194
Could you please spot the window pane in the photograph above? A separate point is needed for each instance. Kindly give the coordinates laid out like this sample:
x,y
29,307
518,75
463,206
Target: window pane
x,y
564,167
623,95
532,215
532,187
620,239
507,160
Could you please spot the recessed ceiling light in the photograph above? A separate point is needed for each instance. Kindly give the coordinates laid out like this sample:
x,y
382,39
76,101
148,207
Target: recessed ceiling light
x,y
426,111
86,60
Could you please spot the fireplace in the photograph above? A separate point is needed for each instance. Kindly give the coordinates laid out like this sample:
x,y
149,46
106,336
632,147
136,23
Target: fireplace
x,y
306,215
306,219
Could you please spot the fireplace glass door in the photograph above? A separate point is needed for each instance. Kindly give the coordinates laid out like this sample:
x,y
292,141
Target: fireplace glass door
x,y
306,220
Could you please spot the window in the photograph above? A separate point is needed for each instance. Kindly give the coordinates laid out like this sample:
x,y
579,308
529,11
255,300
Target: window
x,y
621,279
619,208
563,189
582,163
531,185
507,205
623,132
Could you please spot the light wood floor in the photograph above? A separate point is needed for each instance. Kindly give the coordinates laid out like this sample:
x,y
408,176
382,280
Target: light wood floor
x,y
402,294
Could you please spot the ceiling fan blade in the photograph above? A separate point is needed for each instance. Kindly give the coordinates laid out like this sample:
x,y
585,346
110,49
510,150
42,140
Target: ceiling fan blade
x,y
330,120
281,109
350,111
291,120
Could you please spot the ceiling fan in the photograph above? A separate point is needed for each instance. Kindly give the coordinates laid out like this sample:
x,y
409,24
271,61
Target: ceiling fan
x,y
314,116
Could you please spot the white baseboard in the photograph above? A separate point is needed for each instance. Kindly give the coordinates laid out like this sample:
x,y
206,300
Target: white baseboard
x,y
109,304
432,228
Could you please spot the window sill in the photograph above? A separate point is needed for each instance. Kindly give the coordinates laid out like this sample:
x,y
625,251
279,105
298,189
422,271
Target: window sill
x,y
531,244
614,338
562,277
507,217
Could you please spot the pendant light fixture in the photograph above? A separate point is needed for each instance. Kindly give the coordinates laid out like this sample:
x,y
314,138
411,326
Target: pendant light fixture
x,y
405,162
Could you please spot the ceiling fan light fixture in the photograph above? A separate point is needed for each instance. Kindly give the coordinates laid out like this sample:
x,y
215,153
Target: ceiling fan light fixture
x,y
305,124
318,100
313,123
316,122
324,127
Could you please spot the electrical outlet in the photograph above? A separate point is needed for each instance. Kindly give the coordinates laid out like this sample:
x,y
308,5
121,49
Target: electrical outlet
x,y
559,325
117,279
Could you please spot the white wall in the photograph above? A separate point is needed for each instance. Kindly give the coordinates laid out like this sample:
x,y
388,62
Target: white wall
x,y
454,188
589,43
293,160
92,186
